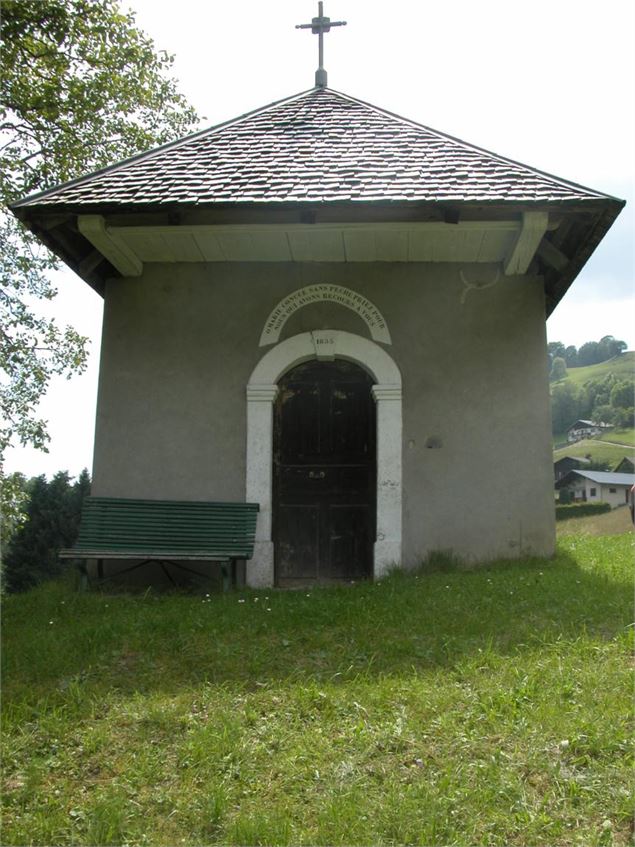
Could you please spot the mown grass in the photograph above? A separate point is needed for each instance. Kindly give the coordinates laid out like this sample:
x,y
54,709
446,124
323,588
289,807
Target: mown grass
x,y
449,706
615,522
599,452
620,436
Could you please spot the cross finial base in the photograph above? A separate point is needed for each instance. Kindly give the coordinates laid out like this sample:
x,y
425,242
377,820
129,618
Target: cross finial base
x,y
319,26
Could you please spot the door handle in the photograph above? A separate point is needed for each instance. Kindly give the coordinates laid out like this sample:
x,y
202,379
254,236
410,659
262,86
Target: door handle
x,y
317,474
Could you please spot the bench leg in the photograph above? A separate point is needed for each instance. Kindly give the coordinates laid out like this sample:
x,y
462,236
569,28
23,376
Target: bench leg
x,y
83,576
168,574
228,570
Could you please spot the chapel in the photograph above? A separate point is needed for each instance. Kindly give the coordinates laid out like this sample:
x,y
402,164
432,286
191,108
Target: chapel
x,y
335,313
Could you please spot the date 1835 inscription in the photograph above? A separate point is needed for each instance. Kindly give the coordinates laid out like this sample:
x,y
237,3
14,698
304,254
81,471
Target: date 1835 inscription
x,y
322,293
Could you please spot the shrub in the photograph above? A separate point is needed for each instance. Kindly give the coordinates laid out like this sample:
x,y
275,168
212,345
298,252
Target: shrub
x,y
579,510
51,521
558,369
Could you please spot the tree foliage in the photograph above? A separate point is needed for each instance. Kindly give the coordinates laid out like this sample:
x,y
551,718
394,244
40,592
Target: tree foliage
x,y
51,522
590,353
565,406
555,348
622,394
12,498
81,87
608,399
558,369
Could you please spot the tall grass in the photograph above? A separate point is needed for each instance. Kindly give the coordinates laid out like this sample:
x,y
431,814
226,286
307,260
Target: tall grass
x,y
615,522
446,706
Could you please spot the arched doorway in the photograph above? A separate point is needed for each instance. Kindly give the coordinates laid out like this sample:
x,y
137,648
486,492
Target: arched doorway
x,y
324,474
262,390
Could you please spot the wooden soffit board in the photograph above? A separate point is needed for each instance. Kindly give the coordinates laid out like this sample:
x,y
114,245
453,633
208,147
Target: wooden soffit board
x,y
513,243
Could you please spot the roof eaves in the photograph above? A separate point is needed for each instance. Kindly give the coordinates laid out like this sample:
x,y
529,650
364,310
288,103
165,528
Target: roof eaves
x,y
517,204
604,221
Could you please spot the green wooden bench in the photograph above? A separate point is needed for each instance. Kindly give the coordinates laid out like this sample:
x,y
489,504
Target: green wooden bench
x,y
165,532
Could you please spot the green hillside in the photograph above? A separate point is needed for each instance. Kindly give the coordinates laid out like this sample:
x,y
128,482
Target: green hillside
x,y
602,392
622,366
598,451
620,436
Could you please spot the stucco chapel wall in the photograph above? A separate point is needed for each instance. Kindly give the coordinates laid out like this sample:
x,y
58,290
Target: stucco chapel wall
x,y
180,343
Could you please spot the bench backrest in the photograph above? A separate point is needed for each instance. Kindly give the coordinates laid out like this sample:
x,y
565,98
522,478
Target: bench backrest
x,y
170,527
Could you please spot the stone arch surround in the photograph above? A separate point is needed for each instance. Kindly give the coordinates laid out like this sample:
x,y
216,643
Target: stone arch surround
x,y
262,389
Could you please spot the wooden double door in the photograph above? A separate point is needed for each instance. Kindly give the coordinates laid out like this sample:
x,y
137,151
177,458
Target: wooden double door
x,y
324,474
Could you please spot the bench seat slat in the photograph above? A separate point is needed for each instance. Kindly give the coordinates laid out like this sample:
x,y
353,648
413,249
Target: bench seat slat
x,y
190,556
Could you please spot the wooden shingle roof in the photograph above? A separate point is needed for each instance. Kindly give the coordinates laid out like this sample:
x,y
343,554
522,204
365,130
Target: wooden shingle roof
x,y
319,146
320,159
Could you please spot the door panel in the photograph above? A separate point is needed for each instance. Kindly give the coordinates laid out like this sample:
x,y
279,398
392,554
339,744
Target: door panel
x,y
348,421
324,474
299,541
302,420
348,541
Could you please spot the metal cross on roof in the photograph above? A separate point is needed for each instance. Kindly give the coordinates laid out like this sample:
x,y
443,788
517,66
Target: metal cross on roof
x,y
318,27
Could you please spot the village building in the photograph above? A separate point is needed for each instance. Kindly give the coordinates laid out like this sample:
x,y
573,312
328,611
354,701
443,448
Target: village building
x,y
625,465
335,313
561,467
598,486
586,429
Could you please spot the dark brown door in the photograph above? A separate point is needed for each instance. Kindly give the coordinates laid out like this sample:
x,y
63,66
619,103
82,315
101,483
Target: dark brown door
x,y
324,474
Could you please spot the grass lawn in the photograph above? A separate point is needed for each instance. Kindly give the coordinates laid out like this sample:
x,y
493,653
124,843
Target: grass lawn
x,y
614,522
611,453
623,437
620,436
446,707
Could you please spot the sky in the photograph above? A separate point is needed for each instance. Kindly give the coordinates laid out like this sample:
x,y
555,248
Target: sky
x,y
550,84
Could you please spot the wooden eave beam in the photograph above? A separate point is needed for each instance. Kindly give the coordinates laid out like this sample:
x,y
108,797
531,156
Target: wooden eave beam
x,y
550,254
557,282
88,264
523,250
110,245
50,222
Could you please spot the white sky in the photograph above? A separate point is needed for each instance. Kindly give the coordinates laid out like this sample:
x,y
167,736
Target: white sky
x,y
551,84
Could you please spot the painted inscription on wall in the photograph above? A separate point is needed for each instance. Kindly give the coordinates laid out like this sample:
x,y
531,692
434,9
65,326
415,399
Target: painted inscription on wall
x,y
325,293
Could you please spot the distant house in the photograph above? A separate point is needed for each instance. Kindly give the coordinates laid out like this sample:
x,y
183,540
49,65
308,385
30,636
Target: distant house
x,y
568,463
625,465
598,486
585,429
